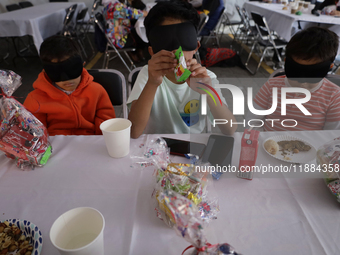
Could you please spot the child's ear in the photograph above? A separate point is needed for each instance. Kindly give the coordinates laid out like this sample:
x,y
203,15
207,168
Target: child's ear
x,y
150,51
332,65
84,63
198,46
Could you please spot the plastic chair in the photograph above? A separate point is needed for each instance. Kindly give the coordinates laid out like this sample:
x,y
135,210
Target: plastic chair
x,y
12,7
114,83
25,4
132,77
101,23
265,39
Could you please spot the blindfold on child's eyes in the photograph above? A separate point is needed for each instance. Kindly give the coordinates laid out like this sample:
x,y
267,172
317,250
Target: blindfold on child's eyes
x,y
64,71
306,73
170,37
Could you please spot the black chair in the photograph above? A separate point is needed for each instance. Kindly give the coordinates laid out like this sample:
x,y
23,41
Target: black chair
x,y
114,83
110,48
12,7
203,20
265,39
214,32
132,77
25,4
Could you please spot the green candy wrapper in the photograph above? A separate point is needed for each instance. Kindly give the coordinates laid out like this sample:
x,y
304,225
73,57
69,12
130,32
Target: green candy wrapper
x,y
181,71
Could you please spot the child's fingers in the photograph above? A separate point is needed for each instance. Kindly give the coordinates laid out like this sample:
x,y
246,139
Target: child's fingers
x,y
191,62
164,59
199,71
193,68
165,53
162,66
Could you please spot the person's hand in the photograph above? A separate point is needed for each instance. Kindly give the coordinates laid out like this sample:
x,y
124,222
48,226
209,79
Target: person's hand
x,y
334,13
145,13
159,65
197,71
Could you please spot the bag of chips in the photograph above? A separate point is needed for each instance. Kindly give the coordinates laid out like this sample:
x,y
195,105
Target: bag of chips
x,y
22,136
328,159
181,71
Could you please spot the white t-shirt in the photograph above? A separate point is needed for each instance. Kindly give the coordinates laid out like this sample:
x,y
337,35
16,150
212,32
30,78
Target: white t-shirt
x,y
176,108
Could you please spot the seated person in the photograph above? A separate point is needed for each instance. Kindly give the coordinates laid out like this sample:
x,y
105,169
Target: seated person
x,y
65,97
328,7
121,30
215,8
160,104
309,56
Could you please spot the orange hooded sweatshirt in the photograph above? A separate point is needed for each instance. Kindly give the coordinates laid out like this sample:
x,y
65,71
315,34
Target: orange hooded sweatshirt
x,y
79,113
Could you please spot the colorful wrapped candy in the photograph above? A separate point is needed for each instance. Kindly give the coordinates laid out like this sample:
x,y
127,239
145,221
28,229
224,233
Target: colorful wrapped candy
x,y
186,181
22,136
188,224
181,71
328,158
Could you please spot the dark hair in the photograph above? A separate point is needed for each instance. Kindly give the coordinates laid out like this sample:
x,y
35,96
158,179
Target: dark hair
x,y
314,43
58,47
175,9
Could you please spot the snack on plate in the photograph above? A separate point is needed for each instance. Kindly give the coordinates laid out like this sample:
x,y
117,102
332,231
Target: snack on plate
x,y
293,146
188,224
328,158
12,240
22,136
181,71
271,146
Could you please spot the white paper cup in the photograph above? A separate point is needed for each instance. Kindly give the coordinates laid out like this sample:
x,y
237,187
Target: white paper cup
x,y
79,232
117,136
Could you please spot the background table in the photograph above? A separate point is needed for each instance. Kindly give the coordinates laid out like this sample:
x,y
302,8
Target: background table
x,y
282,21
40,21
264,216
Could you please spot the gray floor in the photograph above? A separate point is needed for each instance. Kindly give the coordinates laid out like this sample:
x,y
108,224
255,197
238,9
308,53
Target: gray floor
x,y
31,67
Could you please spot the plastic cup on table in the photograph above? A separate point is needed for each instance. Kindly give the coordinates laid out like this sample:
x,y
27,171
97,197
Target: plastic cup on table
x,y
116,134
79,231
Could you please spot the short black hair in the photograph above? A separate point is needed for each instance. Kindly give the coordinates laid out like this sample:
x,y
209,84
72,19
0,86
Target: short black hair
x,y
175,9
58,47
314,43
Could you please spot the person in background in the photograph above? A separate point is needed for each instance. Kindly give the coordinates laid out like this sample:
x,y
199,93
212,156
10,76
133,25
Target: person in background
x,y
309,56
215,8
159,103
65,97
118,17
329,7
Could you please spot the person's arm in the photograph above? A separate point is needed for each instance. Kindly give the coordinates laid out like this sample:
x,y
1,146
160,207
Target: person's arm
x,y
32,105
159,64
104,111
218,111
332,121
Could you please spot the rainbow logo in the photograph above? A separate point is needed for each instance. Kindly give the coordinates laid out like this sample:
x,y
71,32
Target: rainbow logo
x,y
209,93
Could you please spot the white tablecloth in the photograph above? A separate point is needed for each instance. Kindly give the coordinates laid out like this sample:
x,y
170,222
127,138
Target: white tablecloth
x,y
282,21
39,21
260,217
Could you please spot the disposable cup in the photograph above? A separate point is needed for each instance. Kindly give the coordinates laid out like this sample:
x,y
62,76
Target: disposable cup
x,y
117,136
293,10
79,232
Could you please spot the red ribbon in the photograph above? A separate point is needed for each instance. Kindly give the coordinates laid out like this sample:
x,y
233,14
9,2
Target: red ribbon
x,y
208,245
4,95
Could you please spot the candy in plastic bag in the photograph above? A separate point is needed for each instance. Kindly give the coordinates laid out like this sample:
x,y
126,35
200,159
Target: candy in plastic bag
x,y
188,224
22,136
328,158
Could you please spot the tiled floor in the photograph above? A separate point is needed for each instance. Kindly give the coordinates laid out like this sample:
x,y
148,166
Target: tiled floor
x,y
227,75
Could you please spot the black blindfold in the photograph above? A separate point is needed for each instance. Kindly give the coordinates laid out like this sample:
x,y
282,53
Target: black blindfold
x,y
64,71
170,37
306,73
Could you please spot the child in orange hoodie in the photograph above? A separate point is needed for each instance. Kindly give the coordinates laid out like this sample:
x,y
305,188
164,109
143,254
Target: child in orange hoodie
x,y
66,99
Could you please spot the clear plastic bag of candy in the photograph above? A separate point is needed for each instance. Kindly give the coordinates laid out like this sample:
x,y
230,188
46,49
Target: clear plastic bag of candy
x,y
328,158
23,137
150,151
187,223
185,179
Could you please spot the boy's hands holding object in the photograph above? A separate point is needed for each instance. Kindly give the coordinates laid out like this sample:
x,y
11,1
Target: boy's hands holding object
x,y
159,65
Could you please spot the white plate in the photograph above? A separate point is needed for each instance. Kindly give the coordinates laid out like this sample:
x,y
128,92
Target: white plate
x,y
302,157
